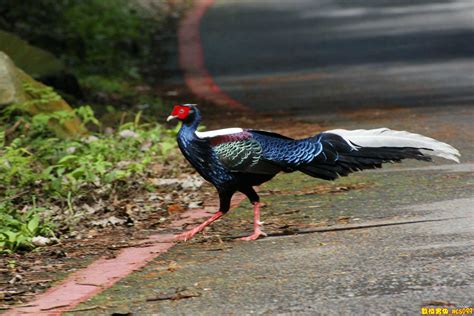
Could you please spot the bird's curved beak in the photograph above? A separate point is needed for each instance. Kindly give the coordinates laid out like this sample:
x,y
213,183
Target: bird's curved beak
x,y
170,118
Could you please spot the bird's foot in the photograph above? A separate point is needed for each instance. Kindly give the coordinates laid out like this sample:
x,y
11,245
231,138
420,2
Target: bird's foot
x,y
254,236
190,233
187,234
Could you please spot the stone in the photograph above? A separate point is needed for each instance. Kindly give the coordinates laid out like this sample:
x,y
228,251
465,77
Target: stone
x,y
13,81
10,85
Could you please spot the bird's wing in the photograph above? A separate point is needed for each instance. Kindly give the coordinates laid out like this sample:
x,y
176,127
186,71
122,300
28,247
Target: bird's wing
x,y
237,150
286,152
253,151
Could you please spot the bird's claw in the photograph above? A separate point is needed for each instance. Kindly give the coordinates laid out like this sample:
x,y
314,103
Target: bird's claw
x,y
254,236
185,236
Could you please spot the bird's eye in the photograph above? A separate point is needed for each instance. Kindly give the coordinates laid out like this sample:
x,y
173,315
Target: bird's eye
x,y
181,111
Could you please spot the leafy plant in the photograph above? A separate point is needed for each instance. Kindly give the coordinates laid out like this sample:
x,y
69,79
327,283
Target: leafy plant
x,y
86,114
33,160
18,228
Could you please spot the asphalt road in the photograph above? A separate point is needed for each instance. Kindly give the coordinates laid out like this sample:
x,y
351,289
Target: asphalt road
x,y
318,56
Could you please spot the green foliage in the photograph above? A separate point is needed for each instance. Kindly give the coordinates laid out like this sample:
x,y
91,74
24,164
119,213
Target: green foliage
x,y
113,38
86,114
15,165
18,227
34,161
39,103
106,84
39,96
110,38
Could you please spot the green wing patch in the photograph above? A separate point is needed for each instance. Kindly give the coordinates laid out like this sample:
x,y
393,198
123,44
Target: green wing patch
x,y
240,155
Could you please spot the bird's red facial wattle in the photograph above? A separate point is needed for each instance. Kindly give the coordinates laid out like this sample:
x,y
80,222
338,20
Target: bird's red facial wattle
x,y
179,112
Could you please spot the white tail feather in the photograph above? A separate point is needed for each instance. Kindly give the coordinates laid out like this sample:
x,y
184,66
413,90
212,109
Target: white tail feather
x,y
384,137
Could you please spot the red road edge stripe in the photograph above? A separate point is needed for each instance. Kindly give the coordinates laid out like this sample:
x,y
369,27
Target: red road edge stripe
x,y
103,273
191,59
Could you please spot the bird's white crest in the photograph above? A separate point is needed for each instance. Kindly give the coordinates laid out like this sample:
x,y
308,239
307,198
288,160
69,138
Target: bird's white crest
x,y
219,132
384,137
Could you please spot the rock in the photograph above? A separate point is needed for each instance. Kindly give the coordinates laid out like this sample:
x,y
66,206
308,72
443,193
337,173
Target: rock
x,y
146,146
40,241
71,150
91,139
191,183
109,131
126,133
123,164
195,204
10,85
162,182
112,220
18,87
172,93
16,278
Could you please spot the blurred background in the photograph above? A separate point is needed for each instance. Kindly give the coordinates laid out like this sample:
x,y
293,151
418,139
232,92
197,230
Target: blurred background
x,y
337,54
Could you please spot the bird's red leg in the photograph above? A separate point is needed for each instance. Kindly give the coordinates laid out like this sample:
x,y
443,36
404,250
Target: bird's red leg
x,y
257,232
190,233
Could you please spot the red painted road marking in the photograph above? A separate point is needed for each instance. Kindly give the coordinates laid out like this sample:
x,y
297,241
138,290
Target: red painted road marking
x,y
191,59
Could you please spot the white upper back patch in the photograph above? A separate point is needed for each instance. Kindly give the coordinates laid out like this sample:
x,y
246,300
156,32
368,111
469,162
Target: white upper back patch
x,y
219,132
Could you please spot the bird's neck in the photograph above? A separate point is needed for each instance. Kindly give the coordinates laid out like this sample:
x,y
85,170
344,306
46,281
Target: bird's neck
x,y
189,127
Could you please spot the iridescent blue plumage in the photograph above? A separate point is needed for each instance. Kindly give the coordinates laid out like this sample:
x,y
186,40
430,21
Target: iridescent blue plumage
x,y
287,152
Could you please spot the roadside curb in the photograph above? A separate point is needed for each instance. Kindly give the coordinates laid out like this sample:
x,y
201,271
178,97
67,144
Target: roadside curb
x,y
191,60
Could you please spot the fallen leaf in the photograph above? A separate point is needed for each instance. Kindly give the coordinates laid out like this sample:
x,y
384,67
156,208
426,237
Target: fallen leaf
x,y
175,208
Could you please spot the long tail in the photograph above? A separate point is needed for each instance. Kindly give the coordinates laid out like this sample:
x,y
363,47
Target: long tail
x,y
346,151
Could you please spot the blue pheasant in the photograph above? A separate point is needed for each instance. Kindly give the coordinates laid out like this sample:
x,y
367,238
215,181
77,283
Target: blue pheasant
x,y
236,160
